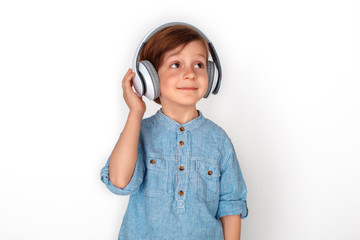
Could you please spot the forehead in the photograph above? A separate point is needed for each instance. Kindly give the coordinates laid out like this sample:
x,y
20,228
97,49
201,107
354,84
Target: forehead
x,y
196,47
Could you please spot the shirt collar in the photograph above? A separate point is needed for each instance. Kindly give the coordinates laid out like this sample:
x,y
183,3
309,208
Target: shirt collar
x,y
177,127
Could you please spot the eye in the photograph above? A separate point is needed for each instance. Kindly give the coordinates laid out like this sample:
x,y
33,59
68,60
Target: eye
x,y
175,65
199,65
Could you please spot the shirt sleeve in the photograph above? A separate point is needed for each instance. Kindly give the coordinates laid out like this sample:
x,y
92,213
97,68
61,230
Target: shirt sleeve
x,y
135,181
233,190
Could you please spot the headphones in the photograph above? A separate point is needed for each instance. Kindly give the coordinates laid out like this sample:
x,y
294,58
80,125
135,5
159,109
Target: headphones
x,y
146,81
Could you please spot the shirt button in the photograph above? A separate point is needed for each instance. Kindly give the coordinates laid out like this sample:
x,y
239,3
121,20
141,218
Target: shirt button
x,y
152,161
181,168
182,129
210,172
181,193
181,143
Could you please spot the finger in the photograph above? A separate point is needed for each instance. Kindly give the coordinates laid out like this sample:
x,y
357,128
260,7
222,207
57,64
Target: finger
x,y
127,85
123,80
128,76
129,80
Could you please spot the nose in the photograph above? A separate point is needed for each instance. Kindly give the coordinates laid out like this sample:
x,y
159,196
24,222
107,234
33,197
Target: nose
x,y
189,73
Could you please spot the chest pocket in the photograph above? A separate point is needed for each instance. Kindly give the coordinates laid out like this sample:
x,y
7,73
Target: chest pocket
x,y
156,175
207,180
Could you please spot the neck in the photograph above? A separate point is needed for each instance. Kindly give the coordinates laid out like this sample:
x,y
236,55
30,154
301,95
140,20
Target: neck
x,y
180,114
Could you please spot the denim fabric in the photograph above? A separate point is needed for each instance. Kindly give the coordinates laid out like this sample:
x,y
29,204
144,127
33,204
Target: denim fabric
x,y
210,180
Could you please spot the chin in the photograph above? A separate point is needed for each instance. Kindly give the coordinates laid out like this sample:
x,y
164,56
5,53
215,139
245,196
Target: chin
x,y
184,100
189,102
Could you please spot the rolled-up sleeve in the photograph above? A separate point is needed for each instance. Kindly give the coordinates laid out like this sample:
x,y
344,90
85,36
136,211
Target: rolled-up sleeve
x,y
135,181
233,190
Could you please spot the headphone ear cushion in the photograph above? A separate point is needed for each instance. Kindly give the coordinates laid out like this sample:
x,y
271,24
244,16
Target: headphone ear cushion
x,y
152,81
210,66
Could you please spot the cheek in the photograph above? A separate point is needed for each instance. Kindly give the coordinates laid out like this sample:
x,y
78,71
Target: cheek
x,y
205,83
164,86
167,80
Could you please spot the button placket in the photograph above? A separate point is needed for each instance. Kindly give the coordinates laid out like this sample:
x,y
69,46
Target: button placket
x,y
181,143
181,174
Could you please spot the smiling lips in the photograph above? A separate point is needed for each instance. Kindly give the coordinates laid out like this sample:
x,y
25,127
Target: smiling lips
x,y
188,89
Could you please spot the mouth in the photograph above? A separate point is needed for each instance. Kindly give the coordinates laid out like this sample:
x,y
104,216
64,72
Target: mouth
x,y
187,89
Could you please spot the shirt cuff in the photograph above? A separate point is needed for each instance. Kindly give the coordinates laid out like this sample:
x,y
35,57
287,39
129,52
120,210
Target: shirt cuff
x,y
130,189
232,208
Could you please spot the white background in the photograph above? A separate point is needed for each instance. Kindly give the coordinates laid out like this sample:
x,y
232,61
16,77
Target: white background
x,y
290,102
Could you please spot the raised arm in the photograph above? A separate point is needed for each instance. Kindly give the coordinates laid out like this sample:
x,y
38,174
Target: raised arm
x,y
125,153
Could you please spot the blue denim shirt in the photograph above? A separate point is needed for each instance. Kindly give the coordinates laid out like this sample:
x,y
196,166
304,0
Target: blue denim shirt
x,y
186,178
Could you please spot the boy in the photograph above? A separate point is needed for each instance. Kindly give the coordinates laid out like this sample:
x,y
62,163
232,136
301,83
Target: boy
x,y
180,168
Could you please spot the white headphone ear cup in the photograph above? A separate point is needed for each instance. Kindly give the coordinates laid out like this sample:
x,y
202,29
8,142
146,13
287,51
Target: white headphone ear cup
x,y
151,79
210,66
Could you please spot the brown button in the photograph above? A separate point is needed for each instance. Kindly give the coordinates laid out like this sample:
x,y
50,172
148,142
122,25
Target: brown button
x,y
152,161
182,129
181,193
181,143
181,168
210,172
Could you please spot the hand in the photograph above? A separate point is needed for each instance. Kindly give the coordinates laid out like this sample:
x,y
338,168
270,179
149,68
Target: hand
x,y
135,103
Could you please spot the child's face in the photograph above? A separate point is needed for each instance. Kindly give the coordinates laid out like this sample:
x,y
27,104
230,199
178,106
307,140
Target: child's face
x,y
183,75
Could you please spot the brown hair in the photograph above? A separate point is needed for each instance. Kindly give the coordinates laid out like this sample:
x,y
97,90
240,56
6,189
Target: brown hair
x,y
168,39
